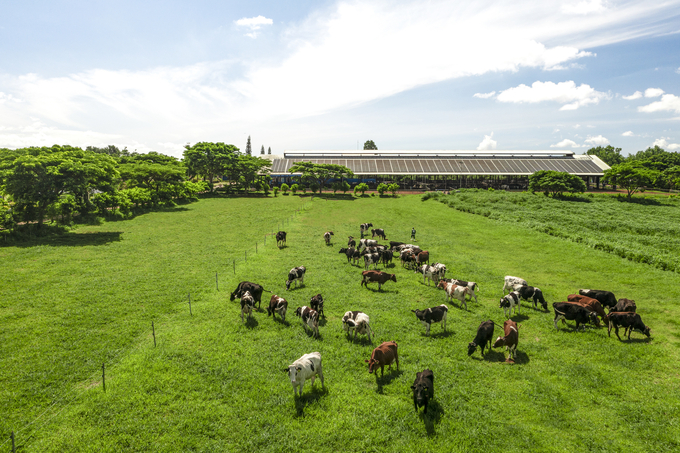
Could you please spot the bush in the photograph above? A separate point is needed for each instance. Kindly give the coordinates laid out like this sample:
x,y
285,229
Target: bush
x,y
294,188
393,188
285,188
314,186
345,187
363,187
276,191
382,188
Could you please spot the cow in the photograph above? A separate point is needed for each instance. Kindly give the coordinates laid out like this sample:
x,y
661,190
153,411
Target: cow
x,y
378,232
414,248
631,321
365,243
351,242
429,273
510,282
454,291
253,288
606,298
573,312
625,305
281,238
395,244
422,257
589,304
423,389
510,339
432,315
509,302
442,269
407,258
364,227
247,305
484,336
371,258
474,287
530,292
306,367
327,237
386,257
358,322
310,318
316,303
385,354
277,305
296,274
348,252
376,276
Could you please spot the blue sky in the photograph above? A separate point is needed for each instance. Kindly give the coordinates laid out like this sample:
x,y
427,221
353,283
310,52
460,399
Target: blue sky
x,y
328,75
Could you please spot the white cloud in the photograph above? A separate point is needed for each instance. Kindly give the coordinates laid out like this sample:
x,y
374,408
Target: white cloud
x,y
254,24
677,71
653,92
584,7
668,102
566,143
636,95
628,134
597,141
663,143
488,143
566,93
484,95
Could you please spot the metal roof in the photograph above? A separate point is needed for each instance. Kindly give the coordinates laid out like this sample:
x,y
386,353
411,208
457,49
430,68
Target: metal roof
x,y
369,154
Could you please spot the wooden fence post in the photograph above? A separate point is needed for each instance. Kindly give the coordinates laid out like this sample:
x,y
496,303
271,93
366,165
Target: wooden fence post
x,y
190,313
234,266
246,255
104,377
153,330
217,283
14,448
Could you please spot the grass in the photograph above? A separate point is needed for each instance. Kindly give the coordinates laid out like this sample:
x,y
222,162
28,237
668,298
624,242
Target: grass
x,y
215,384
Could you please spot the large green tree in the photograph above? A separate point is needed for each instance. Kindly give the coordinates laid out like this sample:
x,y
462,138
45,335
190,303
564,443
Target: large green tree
x,y
321,173
656,158
632,176
209,160
369,144
608,154
248,171
555,182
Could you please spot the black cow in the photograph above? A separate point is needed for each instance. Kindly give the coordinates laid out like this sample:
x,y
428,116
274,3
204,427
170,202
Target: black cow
x,y
378,232
484,336
423,389
574,312
625,305
536,295
606,298
386,257
296,274
432,315
349,252
628,320
254,289
281,238
395,244
317,304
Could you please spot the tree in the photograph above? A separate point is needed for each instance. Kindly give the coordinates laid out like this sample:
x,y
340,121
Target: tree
x,y
555,182
369,144
608,154
632,176
275,190
262,150
269,150
344,186
111,150
208,160
294,188
382,188
285,188
663,159
159,179
249,151
393,188
320,172
247,170
363,187
672,176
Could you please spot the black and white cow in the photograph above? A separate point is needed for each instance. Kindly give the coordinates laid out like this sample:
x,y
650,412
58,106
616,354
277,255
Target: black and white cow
x,y
254,289
351,242
408,259
429,273
364,227
441,268
281,238
510,282
310,318
358,322
317,304
574,312
432,315
509,302
247,305
371,258
395,244
277,305
386,257
631,321
472,286
306,367
349,253
533,293
327,237
378,232
423,389
363,243
296,274
606,298
484,336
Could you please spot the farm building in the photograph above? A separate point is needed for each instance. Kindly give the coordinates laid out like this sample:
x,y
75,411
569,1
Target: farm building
x,y
443,170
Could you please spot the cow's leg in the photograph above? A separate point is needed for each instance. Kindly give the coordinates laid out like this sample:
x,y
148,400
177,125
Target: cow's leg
x,y
557,318
617,332
464,303
427,331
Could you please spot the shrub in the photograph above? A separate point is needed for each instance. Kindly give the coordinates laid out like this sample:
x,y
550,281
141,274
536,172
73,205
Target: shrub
x,y
393,188
294,188
276,191
363,187
285,188
382,188
314,186
345,187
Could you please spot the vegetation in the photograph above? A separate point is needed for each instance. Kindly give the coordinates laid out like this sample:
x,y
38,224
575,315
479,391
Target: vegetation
x,y
555,183
634,176
609,155
370,144
362,187
317,175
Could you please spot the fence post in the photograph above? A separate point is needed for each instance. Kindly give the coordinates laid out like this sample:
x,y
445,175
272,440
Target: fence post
x,y
153,329
265,240
246,255
234,266
217,283
256,247
14,449
104,377
190,313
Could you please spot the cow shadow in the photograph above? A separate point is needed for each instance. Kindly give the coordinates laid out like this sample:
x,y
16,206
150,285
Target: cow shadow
x,y
490,356
376,290
521,358
296,287
361,340
308,398
251,322
281,321
386,379
635,340
322,321
432,418
519,318
439,334
281,247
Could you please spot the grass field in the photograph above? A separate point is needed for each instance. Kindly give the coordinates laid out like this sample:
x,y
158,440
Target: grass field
x,y
215,384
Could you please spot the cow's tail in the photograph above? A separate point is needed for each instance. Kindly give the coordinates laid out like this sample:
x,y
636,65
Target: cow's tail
x,y
266,290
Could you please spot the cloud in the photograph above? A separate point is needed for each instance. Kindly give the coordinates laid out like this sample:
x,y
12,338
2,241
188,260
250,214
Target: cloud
x,y
484,95
653,92
663,143
597,141
566,143
668,102
254,24
584,7
677,71
636,95
488,143
628,134
566,93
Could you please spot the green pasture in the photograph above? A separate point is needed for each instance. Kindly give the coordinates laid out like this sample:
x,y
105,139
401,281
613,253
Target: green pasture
x,y
213,383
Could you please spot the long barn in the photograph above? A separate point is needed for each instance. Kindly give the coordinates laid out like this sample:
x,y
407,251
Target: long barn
x,y
444,170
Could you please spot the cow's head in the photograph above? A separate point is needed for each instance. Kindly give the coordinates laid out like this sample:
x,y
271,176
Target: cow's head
x,y
343,250
472,347
292,371
288,282
592,316
393,277
441,284
647,332
232,296
348,323
504,302
298,311
372,365
500,341
420,393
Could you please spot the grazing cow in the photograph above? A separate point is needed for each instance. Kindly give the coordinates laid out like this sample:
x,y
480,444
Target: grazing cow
x,y
407,258
351,242
571,311
414,248
253,288
589,304
625,305
365,243
510,339
371,258
423,389
306,367
281,238
364,227
432,315
454,291
376,276
606,298
509,302
378,232
247,305
385,354
474,287
317,304
395,244
631,321
327,237
386,257
510,282
484,336
296,274
442,269
429,272
358,322
310,318
351,254
277,305
422,257
356,257
536,295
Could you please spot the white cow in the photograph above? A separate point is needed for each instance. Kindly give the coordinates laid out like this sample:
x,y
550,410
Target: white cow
x,y
454,291
429,272
371,258
358,322
310,318
442,269
509,302
364,243
474,287
510,283
306,367
247,304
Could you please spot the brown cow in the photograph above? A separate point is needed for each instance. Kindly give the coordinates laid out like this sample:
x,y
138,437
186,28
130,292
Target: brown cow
x,y
422,257
510,339
590,304
385,354
376,276
625,305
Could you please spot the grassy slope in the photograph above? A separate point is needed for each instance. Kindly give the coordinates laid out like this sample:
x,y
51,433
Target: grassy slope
x,y
215,384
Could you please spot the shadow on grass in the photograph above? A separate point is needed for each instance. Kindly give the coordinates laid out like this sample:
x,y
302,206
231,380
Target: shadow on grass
x,y
281,321
306,399
251,322
386,379
432,418
493,356
361,339
439,334
519,318
322,321
68,240
376,290
642,201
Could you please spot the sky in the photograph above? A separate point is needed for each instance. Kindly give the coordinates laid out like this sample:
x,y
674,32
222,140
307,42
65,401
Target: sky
x,y
296,75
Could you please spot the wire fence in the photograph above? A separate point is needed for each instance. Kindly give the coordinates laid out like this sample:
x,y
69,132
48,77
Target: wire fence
x,y
29,430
